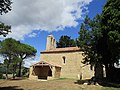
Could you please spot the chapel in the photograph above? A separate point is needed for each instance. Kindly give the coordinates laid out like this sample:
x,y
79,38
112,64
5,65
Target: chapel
x,y
60,63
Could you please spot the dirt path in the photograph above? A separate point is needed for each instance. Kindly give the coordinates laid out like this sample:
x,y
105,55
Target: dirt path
x,y
44,85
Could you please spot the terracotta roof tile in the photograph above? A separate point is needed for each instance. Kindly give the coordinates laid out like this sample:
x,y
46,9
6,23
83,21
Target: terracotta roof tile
x,y
67,49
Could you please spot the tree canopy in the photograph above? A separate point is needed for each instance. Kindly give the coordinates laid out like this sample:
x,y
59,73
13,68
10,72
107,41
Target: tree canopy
x,y
5,6
110,24
90,33
14,52
100,37
66,41
4,29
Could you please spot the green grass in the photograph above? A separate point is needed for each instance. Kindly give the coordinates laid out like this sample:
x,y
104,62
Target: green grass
x,y
66,78
62,78
110,88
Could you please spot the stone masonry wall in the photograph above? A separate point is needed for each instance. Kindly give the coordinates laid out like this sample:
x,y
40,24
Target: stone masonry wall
x,y
71,67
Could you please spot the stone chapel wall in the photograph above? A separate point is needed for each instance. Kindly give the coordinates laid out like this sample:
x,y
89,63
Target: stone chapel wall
x,y
71,67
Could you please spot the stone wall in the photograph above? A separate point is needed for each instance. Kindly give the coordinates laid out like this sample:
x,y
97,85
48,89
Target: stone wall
x,y
86,72
57,72
70,63
31,75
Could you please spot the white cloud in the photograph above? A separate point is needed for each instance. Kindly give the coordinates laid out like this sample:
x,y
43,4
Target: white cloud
x,y
31,61
49,15
32,35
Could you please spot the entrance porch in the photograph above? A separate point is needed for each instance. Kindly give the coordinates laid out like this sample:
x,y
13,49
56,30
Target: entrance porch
x,y
44,71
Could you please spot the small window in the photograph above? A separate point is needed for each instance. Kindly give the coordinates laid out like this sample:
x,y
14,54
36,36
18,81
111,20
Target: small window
x,y
64,61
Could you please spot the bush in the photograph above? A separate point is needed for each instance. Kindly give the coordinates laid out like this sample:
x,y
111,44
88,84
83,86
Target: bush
x,y
1,76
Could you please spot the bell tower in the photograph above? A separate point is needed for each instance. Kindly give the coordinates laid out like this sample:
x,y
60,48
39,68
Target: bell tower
x,y
51,42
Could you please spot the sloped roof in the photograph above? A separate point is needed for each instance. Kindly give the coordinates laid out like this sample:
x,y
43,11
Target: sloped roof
x,y
44,63
67,49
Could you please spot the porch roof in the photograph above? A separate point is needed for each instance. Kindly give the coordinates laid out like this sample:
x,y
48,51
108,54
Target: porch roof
x,y
44,63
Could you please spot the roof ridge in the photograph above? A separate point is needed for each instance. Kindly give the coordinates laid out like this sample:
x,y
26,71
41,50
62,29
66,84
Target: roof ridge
x,y
62,49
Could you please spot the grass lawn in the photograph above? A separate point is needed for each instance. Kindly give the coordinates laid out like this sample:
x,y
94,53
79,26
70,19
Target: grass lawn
x,y
59,84
109,88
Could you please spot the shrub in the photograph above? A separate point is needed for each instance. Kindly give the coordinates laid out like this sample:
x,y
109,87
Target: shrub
x,y
1,76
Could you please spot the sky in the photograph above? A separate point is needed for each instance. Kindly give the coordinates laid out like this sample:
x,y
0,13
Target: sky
x,y
33,20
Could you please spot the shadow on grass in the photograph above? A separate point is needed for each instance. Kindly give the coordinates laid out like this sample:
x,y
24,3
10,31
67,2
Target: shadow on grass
x,y
10,88
86,81
106,83
93,81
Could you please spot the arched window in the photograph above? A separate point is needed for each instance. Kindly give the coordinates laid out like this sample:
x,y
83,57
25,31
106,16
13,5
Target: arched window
x,y
64,61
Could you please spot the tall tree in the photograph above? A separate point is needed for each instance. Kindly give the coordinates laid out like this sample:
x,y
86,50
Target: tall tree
x,y
24,52
110,41
100,37
15,52
90,32
110,29
66,41
14,65
7,50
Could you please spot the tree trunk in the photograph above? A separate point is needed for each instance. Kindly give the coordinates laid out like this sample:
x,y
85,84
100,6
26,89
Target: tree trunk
x,y
7,71
111,71
19,71
98,71
13,75
14,70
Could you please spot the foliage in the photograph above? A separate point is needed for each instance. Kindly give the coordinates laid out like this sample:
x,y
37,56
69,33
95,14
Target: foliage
x,y
7,50
100,38
14,53
2,69
110,23
66,41
1,75
4,29
25,71
8,47
24,52
5,6
88,40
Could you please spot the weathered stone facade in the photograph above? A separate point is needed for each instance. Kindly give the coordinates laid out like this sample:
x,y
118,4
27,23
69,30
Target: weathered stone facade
x,y
67,59
69,68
